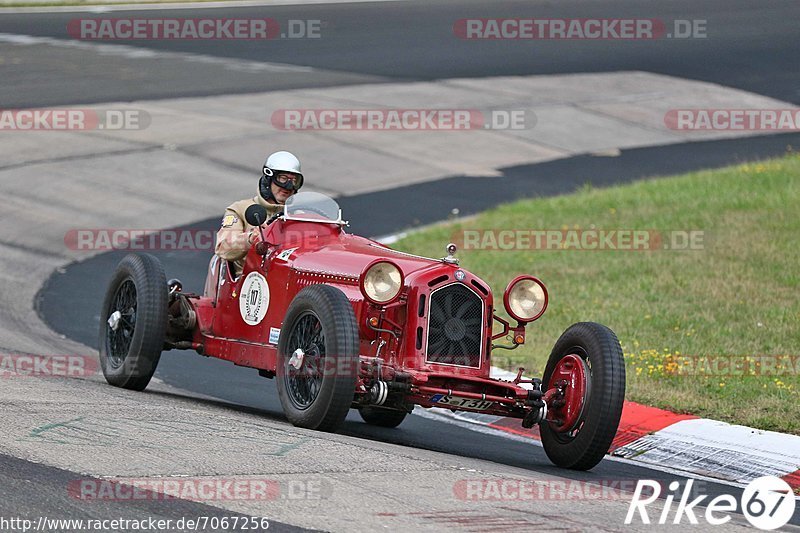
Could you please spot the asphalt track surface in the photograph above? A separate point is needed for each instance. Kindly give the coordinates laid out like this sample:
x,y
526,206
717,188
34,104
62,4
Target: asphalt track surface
x,y
70,301
25,482
751,46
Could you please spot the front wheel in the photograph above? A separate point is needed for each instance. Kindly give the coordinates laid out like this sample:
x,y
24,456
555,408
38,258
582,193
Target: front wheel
x,y
585,379
133,322
318,358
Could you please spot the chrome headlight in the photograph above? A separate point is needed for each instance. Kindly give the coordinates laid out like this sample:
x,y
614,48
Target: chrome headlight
x,y
525,298
381,282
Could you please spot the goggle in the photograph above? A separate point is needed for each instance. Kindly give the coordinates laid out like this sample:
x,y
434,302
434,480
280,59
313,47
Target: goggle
x,y
282,179
285,179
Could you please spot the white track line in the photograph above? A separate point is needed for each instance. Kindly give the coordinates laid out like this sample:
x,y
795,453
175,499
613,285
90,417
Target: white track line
x,y
111,7
134,52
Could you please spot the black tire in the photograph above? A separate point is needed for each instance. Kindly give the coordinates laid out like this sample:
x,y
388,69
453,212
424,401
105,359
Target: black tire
x,y
320,321
129,354
586,446
377,416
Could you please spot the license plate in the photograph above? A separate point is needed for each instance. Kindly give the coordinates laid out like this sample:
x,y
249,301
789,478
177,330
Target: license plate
x,y
458,401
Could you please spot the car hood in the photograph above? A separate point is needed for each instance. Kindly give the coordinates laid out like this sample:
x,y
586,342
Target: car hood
x,y
350,254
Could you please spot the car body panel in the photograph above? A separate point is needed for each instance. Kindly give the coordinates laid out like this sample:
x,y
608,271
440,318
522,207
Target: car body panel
x,y
302,253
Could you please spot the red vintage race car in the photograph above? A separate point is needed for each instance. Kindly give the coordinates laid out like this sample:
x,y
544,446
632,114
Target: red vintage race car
x,y
341,322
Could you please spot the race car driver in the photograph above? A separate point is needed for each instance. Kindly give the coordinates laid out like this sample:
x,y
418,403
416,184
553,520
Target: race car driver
x,y
281,178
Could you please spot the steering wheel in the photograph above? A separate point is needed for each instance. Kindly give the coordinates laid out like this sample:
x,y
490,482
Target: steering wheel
x,y
273,218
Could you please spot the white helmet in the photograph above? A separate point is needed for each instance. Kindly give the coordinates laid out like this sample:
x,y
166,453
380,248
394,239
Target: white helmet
x,y
278,163
282,162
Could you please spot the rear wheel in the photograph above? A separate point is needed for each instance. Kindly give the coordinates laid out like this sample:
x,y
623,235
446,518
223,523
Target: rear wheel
x,y
133,322
318,358
586,364
377,416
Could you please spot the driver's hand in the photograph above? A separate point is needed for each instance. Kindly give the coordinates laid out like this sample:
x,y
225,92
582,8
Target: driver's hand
x,y
252,235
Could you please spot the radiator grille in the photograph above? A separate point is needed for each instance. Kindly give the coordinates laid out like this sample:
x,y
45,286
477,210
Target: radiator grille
x,y
455,326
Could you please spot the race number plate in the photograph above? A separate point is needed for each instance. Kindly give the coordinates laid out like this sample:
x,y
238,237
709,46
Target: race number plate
x,y
458,401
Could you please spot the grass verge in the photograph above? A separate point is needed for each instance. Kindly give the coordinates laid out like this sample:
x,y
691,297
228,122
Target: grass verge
x,y
713,331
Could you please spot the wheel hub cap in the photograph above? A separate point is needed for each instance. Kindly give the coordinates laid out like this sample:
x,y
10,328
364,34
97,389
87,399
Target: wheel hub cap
x,y
113,320
296,360
570,378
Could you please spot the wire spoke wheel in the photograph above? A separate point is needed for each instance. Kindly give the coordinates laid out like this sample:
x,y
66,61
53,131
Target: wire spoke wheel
x,y
305,370
318,358
120,337
133,322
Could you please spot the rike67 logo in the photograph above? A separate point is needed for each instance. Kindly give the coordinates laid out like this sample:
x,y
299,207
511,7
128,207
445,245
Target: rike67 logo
x,y
767,502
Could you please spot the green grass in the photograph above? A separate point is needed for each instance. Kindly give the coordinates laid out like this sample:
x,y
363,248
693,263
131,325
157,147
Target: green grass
x,y
738,296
